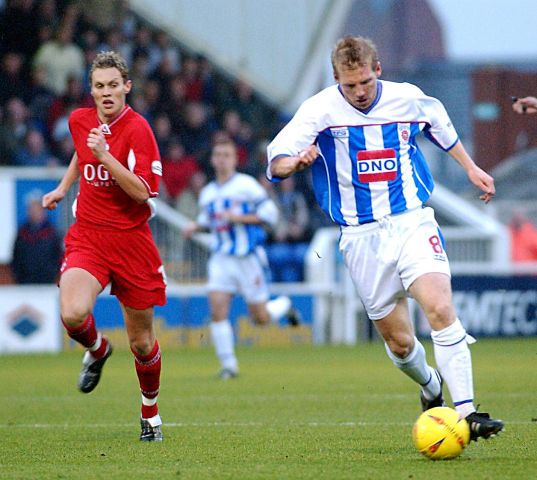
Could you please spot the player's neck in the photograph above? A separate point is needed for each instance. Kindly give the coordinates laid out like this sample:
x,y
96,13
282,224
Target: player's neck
x,y
108,119
224,176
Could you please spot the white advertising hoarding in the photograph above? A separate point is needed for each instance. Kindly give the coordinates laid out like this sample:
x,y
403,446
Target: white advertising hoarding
x,y
29,319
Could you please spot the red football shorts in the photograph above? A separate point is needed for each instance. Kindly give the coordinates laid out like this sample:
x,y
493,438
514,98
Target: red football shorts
x,y
128,260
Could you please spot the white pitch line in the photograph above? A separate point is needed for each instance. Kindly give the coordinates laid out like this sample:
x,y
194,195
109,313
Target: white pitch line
x,y
228,424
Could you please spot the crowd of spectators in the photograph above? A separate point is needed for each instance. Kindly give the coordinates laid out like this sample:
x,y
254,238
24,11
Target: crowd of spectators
x,y
46,49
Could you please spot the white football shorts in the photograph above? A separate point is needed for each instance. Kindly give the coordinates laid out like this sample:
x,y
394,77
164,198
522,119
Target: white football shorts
x,y
246,275
385,257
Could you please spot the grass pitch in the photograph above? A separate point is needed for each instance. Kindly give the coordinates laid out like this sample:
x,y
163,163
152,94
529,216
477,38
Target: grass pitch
x,y
294,413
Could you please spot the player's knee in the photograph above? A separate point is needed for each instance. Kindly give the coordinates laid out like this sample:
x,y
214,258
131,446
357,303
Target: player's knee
x,y
400,345
141,346
260,317
441,315
74,314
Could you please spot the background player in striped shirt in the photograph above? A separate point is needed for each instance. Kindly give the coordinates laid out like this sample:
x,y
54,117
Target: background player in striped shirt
x,y
369,176
118,162
236,209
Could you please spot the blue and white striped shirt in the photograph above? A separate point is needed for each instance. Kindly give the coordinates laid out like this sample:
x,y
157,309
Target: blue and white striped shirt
x,y
370,165
241,194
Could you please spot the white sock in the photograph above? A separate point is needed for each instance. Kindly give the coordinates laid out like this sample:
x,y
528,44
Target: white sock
x,y
415,366
149,401
454,362
278,307
97,343
222,335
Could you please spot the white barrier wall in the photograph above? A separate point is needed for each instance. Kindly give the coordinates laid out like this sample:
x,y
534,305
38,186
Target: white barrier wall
x,y
29,319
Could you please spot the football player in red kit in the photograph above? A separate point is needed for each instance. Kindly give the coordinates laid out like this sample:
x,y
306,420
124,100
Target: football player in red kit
x,y
118,162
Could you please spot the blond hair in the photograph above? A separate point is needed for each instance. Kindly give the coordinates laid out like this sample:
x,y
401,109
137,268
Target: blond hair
x,y
353,52
110,59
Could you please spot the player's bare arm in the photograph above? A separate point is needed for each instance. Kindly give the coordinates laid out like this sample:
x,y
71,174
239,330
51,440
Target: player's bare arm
x,y
127,180
285,166
192,228
476,175
245,218
50,200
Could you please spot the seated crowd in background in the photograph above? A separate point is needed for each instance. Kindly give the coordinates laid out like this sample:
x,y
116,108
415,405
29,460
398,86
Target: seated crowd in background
x,y
187,103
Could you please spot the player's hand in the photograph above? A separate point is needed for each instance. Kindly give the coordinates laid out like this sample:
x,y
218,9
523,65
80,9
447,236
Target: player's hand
x,y
51,199
190,229
230,217
484,182
525,105
306,157
96,142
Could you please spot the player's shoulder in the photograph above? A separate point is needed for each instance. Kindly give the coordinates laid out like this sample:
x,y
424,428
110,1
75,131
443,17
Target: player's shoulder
x,y
244,178
81,114
401,88
208,191
326,95
136,120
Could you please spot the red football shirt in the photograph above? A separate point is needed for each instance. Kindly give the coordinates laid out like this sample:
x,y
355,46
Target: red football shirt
x,y
101,202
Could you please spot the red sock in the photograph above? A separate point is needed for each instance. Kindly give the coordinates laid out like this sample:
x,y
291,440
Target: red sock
x,y
85,334
148,371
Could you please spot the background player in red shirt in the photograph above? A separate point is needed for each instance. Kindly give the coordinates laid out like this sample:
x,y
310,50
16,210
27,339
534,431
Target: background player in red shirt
x,y
118,162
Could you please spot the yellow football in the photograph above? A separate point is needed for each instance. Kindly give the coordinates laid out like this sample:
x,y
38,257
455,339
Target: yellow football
x,y
440,434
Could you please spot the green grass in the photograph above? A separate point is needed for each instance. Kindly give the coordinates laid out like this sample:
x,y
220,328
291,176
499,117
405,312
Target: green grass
x,y
294,413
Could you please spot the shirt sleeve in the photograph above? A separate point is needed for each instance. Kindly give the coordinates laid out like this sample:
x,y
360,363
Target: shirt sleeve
x,y
202,219
440,129
144,157
298,134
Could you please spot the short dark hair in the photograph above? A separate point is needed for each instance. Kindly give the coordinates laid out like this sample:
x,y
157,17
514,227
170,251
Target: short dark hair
x,y
110,59
353,52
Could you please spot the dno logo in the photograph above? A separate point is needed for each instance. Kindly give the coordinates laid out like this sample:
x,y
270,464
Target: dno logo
x,y
377,165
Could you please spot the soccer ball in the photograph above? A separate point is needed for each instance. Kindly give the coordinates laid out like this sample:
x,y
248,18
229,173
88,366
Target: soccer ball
x,y
440,434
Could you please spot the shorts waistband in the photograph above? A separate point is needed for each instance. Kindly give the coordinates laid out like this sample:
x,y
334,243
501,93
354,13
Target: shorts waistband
x,y
379,223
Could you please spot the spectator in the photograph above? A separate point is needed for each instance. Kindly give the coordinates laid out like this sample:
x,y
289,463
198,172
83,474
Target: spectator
x,y
144,46
196,129
34,152
115,41
523,239
19,16
167,52
190,70
60,58
6,152
175,94
39,98
37,250
177,169
74,97
140,71
12,79
17,123
233,126
152,94
103,15
290,242
163,130
46,14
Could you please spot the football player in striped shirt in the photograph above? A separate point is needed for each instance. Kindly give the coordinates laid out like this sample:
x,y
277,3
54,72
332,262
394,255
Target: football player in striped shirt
x,y
236,209
370,177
